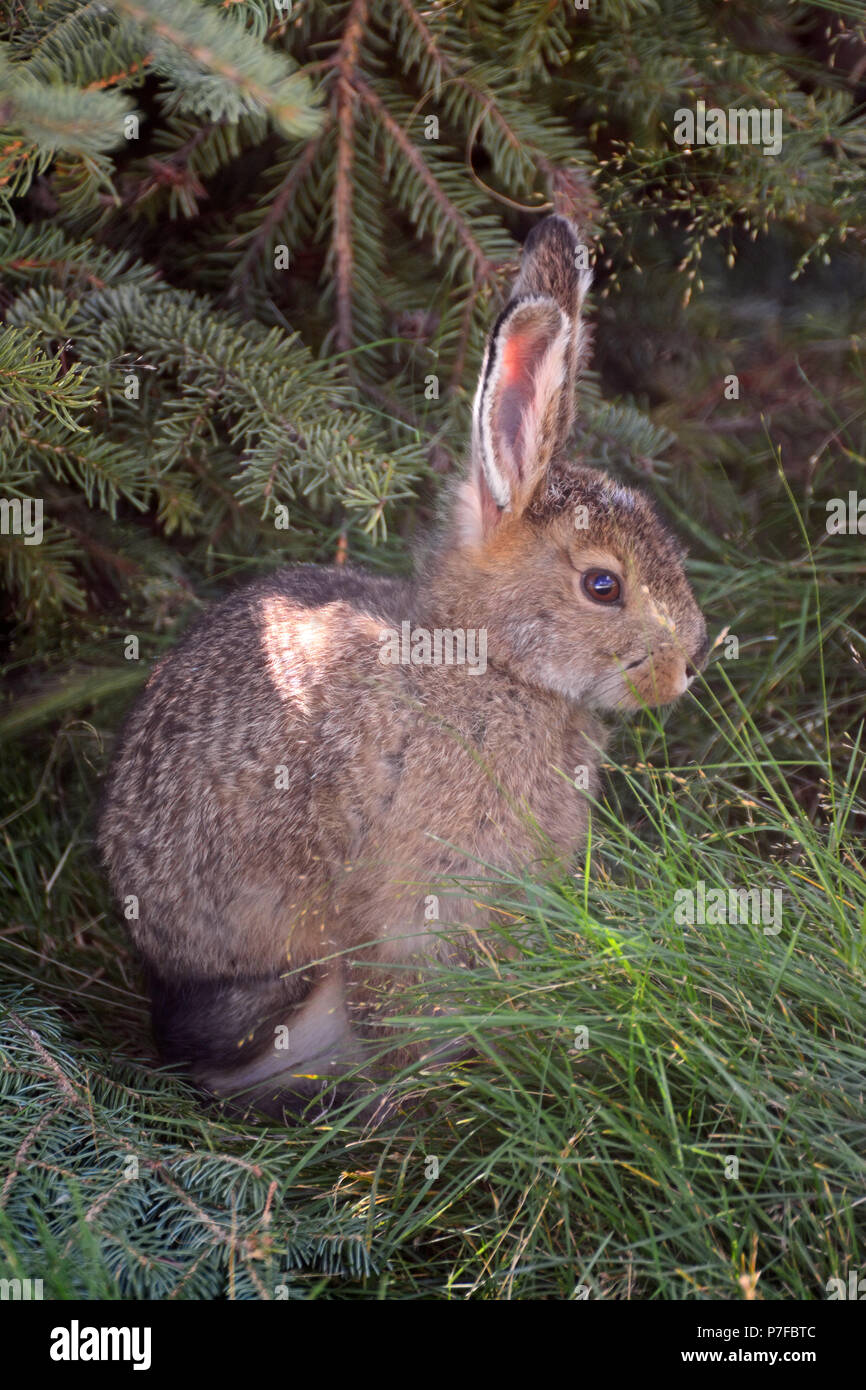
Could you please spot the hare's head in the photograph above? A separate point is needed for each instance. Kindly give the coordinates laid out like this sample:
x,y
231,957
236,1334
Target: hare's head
x,y
579,584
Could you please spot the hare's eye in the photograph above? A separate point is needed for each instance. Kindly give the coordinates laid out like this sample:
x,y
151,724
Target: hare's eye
x,y
601,585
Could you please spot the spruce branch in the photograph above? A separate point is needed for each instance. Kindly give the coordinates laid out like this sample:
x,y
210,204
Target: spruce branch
x,y
55,116
216,65
485,271
31,381
344,118
278,203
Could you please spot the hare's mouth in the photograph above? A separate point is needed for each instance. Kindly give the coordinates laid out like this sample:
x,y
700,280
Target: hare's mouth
x,y
656,679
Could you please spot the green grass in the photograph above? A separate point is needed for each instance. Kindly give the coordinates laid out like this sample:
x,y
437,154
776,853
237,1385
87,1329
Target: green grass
x,y
706,1142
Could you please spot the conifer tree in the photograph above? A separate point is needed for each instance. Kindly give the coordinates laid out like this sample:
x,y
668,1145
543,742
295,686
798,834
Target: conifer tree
x,y
248,253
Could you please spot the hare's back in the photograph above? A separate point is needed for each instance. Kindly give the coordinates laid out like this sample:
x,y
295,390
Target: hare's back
x,y
246,648
251,687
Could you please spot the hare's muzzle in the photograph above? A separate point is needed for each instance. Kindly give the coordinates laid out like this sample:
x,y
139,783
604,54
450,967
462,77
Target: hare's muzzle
x,y
698,662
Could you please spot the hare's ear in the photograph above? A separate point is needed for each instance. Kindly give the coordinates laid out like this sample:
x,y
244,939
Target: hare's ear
x,y
524,404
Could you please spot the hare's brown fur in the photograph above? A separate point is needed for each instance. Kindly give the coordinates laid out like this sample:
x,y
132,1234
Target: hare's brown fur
x,y
283,803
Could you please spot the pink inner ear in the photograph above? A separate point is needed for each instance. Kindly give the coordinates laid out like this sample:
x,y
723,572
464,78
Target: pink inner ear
x,y
521,354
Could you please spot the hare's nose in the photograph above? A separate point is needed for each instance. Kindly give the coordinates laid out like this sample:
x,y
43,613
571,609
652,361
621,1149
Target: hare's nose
x,y
698,660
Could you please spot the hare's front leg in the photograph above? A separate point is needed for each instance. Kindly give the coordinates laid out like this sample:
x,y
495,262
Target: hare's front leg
x,y
401,927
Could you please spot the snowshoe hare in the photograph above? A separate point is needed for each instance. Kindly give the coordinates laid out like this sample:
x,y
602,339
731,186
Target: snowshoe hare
x,y
301,772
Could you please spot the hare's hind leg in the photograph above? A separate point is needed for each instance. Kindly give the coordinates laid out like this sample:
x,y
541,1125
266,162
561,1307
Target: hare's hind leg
x,y
314,1036
257,1043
